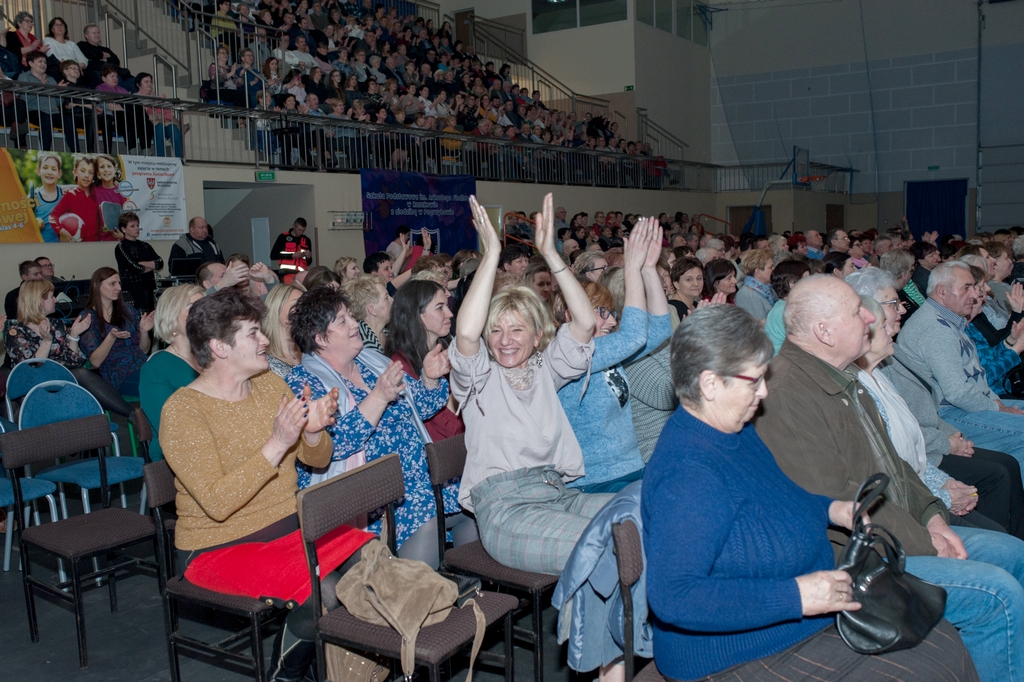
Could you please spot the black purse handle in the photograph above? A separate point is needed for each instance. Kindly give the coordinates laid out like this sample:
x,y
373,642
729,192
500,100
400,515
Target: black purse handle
x,y
868,492
894,554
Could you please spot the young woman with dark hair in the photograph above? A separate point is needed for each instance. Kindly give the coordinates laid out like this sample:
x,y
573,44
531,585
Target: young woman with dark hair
x,y
117,341
420,320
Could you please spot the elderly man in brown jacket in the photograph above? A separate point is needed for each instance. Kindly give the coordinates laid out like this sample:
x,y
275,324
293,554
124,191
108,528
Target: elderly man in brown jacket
x,y
826,434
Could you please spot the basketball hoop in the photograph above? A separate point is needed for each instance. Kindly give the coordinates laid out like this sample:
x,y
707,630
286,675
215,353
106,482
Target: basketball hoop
x,y
815,182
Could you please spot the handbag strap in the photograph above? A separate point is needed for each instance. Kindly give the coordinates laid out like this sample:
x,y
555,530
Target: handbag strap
x,y
868,492
893,547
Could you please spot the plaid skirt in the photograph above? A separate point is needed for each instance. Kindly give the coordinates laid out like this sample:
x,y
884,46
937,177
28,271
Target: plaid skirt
x,y
529,520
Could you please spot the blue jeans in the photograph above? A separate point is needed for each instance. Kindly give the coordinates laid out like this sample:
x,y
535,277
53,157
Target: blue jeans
x,y
170,132
984,599
991,430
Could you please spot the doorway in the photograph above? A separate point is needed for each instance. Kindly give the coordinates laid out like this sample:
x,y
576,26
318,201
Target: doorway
x,y
936,206
247,217
739,215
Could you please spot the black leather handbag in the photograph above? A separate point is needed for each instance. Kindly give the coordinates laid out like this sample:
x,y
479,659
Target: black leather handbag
x,y
898,609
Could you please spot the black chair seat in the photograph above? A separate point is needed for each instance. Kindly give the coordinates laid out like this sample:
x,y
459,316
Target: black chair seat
x,y
434,644
90,533
473,558
180,588
649,674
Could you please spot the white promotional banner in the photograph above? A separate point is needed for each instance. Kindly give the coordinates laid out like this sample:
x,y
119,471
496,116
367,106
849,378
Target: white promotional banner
x,y
154,188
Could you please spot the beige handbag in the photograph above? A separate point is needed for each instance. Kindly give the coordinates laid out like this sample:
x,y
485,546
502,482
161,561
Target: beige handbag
x,y
407,595
345,666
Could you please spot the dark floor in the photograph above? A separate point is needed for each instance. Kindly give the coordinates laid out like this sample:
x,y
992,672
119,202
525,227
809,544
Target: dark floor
x,y
130,645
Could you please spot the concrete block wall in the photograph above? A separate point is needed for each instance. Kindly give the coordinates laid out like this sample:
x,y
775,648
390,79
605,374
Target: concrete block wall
x,y
897,116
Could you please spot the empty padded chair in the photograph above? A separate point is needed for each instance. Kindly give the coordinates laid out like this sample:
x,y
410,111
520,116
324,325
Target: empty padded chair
x,y
446,459
55,401
75,540
31,490
328,505
629,557
27,374
160,483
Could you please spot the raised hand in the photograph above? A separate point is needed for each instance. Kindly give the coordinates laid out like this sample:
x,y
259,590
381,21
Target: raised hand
x,y
389,385
1015,297
717,299
80,325
427,243
147,322
289,421
544,232
436,364
654,250
320,412
635,246
489,241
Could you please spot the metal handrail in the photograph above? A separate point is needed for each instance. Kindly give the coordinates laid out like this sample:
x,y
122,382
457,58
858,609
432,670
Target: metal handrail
x,y
124,33
514,56
510,160
157,58
141,32
503,28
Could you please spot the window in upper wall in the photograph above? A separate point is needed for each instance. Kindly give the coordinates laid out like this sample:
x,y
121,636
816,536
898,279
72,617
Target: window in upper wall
x,y
690,22
663,14
645,11
553,16
557,15
602,11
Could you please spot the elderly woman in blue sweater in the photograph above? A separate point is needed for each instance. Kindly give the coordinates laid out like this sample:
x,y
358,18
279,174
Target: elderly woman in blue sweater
x,y
739,574
597,404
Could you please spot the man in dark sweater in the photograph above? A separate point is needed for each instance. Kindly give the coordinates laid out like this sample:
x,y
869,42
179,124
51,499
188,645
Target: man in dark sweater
x,y
196,244
100,56
826,434
28,270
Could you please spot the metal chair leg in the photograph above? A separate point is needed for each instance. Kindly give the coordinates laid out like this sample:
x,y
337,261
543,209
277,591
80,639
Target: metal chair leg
x,y
256,637
509,649
76,595
538,631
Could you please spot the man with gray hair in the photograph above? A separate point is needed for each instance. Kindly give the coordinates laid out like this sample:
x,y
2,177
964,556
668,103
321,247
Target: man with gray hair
x,y
934,348
826,434
951,458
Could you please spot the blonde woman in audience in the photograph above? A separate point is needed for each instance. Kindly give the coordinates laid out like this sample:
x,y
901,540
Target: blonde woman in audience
x,y
282,353
508,362
370,303
168,370
347,268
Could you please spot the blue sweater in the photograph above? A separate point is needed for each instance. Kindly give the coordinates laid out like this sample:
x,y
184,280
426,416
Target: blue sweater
x,y
726,533
602,418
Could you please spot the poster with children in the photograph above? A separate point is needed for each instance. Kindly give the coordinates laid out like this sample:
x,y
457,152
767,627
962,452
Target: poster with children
x,y
61,197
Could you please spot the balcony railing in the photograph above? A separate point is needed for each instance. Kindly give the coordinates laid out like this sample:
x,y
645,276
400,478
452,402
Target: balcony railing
x,y
122,124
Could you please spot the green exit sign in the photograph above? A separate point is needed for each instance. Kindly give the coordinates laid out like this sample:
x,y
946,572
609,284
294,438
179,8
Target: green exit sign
x,y
629,88
266,176
933,168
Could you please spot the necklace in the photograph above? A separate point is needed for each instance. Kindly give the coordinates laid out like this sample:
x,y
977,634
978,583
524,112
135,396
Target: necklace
x,y
219,394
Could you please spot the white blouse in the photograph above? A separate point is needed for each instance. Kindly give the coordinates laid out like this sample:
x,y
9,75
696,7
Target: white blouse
x,y
66,50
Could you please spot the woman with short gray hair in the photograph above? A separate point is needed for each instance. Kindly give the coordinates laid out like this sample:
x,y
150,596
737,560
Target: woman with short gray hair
x,y
900,263
721,544
22,41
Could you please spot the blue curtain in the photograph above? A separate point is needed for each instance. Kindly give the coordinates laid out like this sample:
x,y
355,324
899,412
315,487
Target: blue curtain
x,y
938,205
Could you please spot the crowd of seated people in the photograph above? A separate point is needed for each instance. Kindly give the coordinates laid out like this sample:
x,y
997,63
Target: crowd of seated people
x,y
58,61
365,63
580,363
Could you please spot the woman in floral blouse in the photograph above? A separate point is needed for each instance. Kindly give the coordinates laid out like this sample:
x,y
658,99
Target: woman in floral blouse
x,y
34,335
380,411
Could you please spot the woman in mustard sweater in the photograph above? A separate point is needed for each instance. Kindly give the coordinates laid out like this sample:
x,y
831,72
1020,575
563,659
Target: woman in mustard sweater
x,y
232,437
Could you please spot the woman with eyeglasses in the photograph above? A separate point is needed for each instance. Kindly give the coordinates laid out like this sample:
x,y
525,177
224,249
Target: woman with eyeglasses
x,y
590,265
597,404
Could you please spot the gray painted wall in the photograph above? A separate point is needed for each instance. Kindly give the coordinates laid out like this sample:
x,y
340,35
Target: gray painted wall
x,y
924,114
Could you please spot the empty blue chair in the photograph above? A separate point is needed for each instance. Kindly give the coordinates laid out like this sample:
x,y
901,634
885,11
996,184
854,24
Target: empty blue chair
x,y
31,489
56,401
27,374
